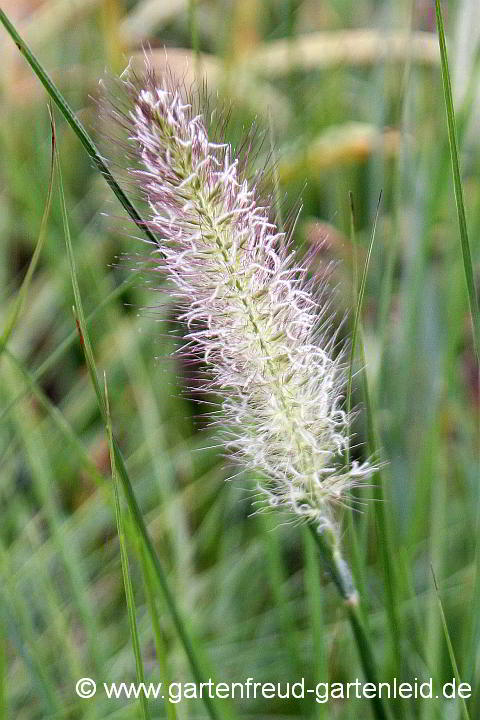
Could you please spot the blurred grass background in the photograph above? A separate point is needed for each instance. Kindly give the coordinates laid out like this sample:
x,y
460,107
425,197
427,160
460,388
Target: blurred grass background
x,y
351,92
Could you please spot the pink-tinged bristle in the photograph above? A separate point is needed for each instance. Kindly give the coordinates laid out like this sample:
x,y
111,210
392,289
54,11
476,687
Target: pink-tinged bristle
x,y
250,312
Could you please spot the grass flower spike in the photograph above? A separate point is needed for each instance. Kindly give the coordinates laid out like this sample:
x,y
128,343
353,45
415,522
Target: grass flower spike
x,y
252,314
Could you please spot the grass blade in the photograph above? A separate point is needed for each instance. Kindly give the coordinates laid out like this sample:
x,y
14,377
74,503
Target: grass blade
x,y
277,578
76,125
467,259
384,534
342,580
26,645
124,560
355,545
58,419
359,295
448,640
385,542
3,672
313,593
19,302
45,491
157,630
66,344
191,652
457,182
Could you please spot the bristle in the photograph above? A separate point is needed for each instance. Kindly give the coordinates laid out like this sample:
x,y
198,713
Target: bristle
x,y
252,316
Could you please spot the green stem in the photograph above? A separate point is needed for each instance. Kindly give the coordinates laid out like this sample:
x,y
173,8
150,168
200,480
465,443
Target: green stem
x,y
340,573
197,667
3,672
178,621
457,182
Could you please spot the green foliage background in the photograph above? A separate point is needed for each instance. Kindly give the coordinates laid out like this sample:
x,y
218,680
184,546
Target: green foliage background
x,y
359,117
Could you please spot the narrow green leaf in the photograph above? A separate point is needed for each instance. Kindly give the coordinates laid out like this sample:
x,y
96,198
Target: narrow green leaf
x,y
359,295
27,646
58,419
192,22
276,179
157,630
448,640
124,560
44,488
457,181
3,671
276,574
383,528
132,503
58,353
340,574
313,593
19,302
384,532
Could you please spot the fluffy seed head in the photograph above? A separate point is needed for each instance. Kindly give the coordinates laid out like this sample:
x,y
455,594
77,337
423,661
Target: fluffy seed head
x,y
251,313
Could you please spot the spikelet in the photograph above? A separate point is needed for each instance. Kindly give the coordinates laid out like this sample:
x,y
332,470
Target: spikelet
x,y
251,313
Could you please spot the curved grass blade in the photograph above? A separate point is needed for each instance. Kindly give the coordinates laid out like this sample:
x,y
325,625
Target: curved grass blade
x,y
448,640
19,302
357,567
467,263
62,348
359,295
315,602
76,125
457,182
160,648
383,528
137,517
3,672
124,560
25,645
58,419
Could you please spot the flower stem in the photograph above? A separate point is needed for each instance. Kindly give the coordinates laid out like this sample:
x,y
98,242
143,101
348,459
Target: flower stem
x,y
327,544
